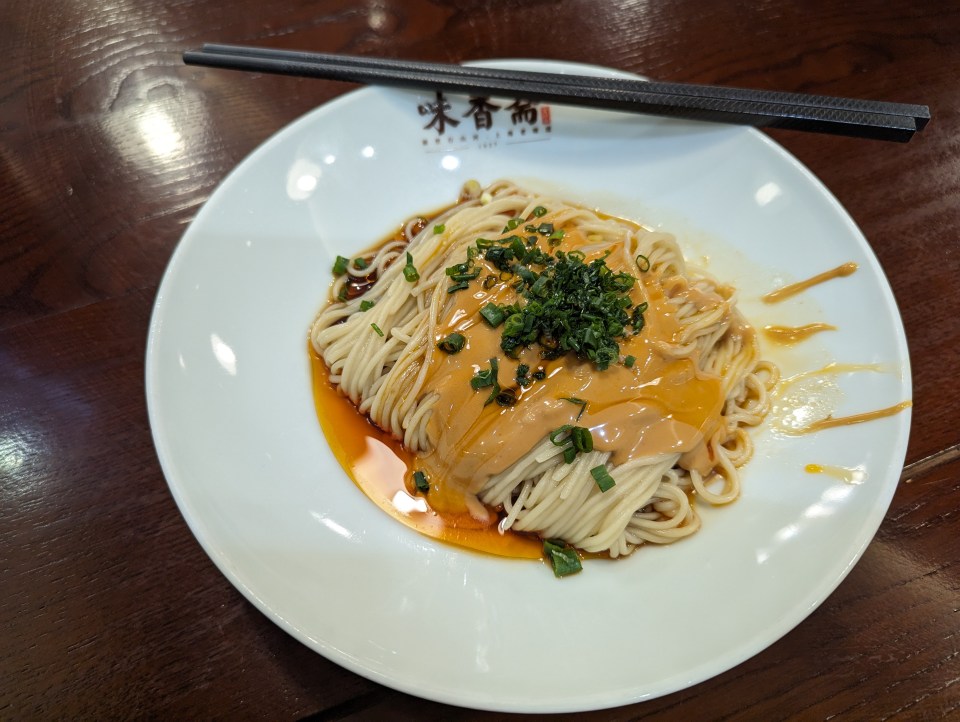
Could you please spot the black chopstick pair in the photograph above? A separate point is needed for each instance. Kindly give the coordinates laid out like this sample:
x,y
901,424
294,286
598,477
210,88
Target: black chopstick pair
x,y
796,111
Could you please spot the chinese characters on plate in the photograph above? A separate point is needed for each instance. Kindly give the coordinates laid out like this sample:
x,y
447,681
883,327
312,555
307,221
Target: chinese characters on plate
x,y
481,122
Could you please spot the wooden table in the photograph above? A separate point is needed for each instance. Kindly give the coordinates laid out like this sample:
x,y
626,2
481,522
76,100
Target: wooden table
x,y
109,607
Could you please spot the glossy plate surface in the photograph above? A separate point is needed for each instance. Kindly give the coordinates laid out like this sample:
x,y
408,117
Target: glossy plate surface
x,y
228,388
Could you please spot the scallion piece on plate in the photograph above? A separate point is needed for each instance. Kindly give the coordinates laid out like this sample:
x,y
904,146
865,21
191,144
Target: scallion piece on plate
x,y
562,557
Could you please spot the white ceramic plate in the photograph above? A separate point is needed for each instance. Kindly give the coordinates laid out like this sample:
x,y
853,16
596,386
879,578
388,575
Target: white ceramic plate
x,y
230,404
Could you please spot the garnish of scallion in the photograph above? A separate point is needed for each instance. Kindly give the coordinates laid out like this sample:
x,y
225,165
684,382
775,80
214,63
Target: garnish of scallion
x,y
453,343
562,557
420,481
573,440
579,402
410,271
604,481
492,314
486,378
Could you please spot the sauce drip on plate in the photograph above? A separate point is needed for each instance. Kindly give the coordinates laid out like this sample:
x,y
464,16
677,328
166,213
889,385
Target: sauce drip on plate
x,y
789,335
845,269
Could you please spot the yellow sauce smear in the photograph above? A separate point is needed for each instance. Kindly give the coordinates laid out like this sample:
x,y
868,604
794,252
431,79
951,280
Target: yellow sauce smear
x,y
382,468
794,288
847,476
789,335
833,421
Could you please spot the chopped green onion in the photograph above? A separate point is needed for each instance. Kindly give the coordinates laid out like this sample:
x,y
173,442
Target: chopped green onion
x,y
526,275
481,380
523,377
494,368
579,402
438,229
643,263
492,314
420,481
342,296
623,282
485,378
340,265
563,558
360,263
376,328
507,397
453,343
539,211
565,306
603,478
410,271
582,439
511,224
539,287
467,276
629,361
514,325
636,318
367,305
557,433
459,286
556,235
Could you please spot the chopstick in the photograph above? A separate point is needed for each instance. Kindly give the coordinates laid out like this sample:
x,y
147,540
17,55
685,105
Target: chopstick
x,y
824,114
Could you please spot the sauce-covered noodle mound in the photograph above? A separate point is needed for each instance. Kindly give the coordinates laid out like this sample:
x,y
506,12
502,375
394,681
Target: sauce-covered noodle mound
x,y
553,370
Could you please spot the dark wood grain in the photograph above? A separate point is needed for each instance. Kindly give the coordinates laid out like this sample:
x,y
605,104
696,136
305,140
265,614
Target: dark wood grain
x,y
109,607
